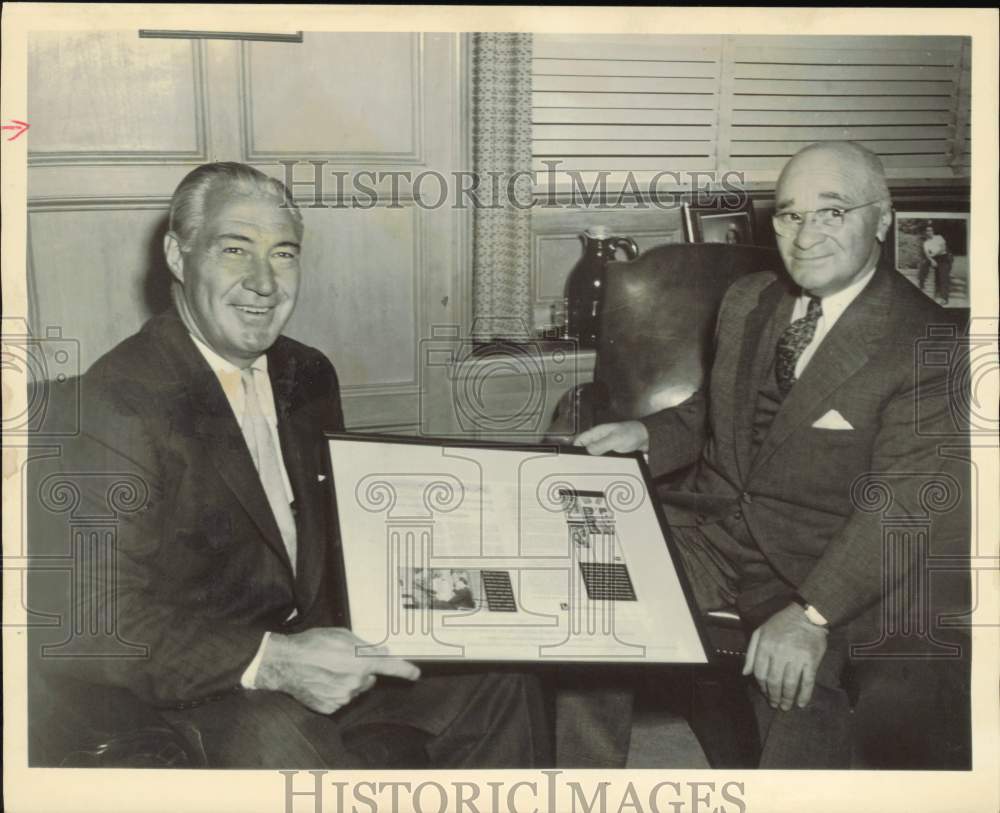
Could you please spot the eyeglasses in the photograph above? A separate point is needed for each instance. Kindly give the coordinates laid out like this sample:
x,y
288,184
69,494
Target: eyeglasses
x,y
787,224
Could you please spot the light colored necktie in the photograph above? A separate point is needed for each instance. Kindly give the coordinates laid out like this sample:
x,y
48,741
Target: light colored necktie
x,y
265,458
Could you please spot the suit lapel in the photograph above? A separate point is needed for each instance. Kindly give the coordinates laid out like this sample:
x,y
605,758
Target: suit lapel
x,y
298,450
844,350
760,334
216,429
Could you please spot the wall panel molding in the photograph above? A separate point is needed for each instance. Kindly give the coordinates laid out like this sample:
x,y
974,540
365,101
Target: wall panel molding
x,y
79,204
415,157
349,353
199,90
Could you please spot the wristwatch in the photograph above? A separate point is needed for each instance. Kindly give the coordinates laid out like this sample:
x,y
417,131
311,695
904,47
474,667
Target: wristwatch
x,y
813,616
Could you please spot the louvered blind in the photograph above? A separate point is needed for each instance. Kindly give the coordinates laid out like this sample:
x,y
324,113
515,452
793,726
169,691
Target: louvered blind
x,y
648,104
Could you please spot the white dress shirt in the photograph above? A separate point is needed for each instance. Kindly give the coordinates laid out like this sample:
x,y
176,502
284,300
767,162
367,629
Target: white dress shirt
x,y
229,378
833,306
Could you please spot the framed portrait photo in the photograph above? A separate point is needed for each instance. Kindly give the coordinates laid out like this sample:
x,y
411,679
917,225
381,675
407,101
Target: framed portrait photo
x,y
719,224
932,252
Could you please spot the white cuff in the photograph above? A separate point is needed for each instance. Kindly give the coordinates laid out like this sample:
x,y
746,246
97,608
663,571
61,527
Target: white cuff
x,y
249,678
815,616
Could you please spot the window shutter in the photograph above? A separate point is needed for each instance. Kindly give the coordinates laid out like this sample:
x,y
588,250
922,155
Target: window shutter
x,y
648,104
899,96
639,104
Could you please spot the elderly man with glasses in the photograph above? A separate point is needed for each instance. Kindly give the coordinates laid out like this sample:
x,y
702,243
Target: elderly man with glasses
x,y
818,390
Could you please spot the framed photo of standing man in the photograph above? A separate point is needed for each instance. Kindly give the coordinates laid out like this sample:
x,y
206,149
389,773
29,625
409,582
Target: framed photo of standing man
x,y
932,252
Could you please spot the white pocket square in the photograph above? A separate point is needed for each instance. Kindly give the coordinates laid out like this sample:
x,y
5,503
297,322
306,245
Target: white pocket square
x,y
832,420
321,478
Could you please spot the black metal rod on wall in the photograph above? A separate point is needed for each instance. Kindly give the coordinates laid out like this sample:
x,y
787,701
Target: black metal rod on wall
x,y
220,35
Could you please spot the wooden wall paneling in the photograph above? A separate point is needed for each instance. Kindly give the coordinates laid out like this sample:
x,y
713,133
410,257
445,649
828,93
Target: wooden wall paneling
x,y
118,99
103,276
328,97
378,275
359,300
375,278
52,184
226,124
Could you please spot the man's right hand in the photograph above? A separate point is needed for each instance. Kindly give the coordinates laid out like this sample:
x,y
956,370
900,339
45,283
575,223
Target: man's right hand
x,y
321,668
624,437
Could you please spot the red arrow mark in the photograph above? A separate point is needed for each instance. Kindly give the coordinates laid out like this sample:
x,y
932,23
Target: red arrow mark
x,y
20,126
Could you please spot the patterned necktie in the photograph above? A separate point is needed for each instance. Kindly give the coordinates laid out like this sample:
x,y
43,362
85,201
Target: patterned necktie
x,y
795,339
265,458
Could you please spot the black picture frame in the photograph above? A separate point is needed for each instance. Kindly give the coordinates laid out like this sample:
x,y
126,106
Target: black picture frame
x,y
720,224
449,447
247,36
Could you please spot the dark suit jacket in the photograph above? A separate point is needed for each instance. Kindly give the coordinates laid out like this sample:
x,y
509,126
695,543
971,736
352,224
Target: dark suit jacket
x,y
802,495
199,570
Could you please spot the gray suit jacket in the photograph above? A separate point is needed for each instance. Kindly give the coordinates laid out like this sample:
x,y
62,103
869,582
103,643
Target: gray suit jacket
x,y
807,495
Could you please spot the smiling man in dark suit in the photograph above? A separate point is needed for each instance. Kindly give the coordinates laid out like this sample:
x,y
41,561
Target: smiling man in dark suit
x,y
814,385
225,571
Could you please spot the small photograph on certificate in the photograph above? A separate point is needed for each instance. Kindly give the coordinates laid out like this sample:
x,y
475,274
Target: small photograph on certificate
x,y
439,588
503,553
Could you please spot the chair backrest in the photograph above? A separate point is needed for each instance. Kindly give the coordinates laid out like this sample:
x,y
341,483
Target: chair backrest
x,y
658,320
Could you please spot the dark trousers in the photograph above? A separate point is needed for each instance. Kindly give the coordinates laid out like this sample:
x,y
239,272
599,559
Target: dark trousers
x,y
942,275
491,720
593,719
905,711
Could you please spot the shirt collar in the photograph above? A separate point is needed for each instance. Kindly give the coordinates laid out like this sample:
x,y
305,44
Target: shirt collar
x,y
836,304
222,367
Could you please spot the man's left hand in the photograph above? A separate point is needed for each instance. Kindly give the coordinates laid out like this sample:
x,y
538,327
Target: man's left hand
x,y
784,654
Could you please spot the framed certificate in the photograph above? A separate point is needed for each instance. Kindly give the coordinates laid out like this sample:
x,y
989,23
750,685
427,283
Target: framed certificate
x,y
501,553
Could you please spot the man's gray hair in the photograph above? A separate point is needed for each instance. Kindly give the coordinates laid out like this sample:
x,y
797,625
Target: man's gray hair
x,y
187,208
853,153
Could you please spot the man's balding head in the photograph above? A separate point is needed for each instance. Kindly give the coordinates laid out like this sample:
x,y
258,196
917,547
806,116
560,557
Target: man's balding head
x,y
861,164
842,175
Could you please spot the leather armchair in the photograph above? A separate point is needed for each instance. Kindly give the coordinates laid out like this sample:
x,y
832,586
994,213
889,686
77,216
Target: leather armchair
x,y
74,725
656,328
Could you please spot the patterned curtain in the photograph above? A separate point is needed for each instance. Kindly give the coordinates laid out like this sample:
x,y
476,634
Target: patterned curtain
x,y
501,114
